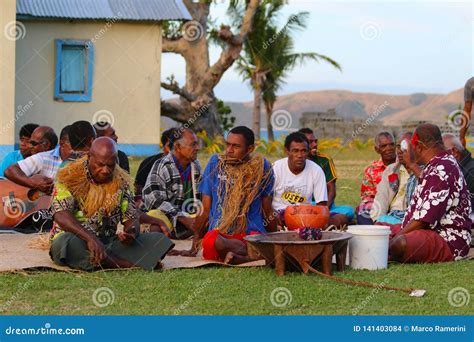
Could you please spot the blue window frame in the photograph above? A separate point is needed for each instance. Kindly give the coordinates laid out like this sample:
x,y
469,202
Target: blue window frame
x,y
74,68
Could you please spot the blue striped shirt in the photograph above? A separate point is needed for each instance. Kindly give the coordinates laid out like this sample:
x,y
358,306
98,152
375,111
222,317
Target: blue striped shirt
x,y
43,163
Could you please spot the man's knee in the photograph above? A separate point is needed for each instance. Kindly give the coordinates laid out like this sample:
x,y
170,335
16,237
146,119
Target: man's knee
x,y
220,244
397,248
69,250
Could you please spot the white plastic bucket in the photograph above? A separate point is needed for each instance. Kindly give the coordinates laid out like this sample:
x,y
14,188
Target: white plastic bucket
x,y
368,248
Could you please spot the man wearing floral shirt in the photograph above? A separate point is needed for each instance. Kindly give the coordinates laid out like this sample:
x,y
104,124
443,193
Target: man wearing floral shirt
x,y
437,227
385,146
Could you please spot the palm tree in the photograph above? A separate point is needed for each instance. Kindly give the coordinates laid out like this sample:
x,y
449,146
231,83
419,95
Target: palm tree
x,y
268,57
284,60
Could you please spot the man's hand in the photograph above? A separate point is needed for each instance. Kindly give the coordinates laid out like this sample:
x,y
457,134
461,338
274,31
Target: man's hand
x,y
127,238
130,232
408,158
97,250
42,183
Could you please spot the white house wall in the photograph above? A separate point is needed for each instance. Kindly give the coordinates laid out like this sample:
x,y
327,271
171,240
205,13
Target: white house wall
x,y
126,79
7,75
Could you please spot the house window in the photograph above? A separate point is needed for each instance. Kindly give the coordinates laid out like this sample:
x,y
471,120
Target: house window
x,y
74,67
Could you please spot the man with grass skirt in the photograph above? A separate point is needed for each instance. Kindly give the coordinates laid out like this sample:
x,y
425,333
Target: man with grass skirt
x,y
237,192
91,197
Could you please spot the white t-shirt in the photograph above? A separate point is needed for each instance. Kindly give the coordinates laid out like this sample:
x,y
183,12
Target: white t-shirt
x,y
298,189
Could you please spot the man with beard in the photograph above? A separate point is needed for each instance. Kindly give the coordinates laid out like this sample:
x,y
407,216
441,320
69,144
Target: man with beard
x,y
91,197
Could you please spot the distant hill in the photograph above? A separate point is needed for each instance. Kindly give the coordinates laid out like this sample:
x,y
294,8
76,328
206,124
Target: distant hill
x,y
391,109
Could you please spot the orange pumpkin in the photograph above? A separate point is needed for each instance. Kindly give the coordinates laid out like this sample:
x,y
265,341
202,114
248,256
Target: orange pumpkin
x,y
306,216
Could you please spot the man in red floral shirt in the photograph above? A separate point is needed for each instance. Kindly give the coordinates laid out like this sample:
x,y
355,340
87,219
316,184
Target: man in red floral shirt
x,y
385,146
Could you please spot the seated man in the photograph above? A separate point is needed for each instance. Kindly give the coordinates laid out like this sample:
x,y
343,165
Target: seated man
x,y
340,214
297,179
395,190
81,136
437,227
465,161
91,197
385,147
39,170
24,151
170,193
105,129
146,165
236,192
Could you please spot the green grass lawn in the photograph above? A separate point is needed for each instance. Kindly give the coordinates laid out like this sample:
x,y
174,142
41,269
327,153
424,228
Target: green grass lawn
x,y
228,291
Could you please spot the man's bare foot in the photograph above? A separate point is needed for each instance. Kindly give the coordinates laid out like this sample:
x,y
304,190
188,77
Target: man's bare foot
x,y
229,258
232,258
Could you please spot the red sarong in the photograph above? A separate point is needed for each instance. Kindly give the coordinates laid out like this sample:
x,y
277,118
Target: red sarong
x,y
208,243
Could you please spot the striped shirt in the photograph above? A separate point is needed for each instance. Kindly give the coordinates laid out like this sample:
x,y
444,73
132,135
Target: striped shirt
x,y
43,163
164,189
